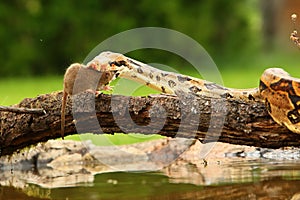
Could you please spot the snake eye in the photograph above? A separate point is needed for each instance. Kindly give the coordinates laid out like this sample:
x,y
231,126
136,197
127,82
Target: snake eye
x,y
118,63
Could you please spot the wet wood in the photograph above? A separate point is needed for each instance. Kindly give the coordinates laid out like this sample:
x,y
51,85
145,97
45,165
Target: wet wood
x,y
207,119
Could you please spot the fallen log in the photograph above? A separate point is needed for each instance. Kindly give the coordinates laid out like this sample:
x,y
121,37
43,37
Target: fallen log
x,y
203,118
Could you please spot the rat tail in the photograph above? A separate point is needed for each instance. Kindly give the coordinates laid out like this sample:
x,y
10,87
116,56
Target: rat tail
x,y
63,110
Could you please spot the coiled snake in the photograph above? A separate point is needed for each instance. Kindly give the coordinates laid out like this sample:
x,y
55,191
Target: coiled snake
x,y
279,91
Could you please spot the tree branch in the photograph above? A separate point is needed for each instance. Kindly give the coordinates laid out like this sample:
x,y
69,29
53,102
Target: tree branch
x,y
22,110
230,121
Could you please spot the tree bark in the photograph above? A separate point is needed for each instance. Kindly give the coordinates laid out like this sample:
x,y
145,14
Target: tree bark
x,y
206,119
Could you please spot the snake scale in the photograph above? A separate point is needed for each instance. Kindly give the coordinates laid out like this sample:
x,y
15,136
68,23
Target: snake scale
x,y
279,91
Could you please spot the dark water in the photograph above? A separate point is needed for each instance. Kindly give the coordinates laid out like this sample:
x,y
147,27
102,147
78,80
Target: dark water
x,y
231,180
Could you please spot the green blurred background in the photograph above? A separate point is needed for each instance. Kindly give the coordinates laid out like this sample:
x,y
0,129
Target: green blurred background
x,y
40,38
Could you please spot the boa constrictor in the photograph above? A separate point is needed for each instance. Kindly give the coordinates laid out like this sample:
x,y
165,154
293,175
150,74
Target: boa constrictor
x,y
279,91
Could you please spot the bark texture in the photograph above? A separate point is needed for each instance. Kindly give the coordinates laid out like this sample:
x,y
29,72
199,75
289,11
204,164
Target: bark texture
x,y
207,119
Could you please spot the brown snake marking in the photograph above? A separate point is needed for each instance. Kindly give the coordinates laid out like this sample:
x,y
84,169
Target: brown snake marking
x,y
279,91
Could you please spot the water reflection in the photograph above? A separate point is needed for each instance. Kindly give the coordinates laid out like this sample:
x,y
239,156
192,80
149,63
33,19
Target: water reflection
x,y
188,177
158,186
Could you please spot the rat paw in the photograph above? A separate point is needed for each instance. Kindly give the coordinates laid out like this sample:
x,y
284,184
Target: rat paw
x,y
107,88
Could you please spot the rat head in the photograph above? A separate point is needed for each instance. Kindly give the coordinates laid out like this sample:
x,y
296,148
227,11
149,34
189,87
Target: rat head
x,y
80,78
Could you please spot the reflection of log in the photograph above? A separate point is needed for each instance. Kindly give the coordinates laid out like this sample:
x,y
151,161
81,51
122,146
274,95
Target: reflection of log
x,y
183,175
276,188
236,122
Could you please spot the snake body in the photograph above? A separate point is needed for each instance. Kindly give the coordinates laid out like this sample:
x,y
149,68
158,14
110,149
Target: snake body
x,y
279,91
281,94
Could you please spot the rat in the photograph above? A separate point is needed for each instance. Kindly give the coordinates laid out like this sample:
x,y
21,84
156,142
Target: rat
x,y
91,78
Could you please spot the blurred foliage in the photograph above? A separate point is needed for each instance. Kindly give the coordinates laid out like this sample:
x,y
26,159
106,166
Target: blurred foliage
x,y
40,37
